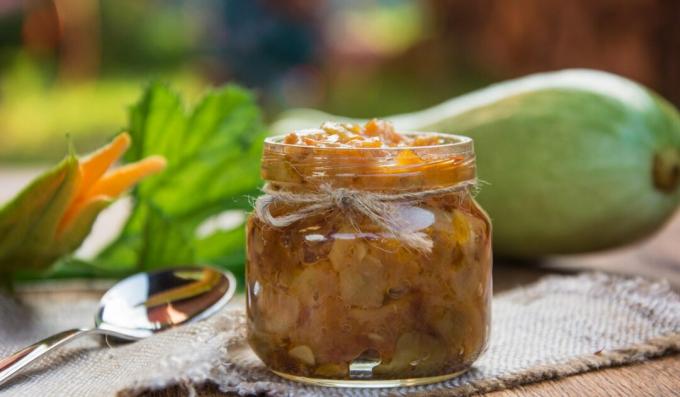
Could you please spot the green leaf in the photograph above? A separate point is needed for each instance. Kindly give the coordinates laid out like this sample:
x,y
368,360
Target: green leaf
x,y
225,249
213,152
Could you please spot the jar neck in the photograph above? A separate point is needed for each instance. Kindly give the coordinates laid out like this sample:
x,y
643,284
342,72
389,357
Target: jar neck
x,y
399,169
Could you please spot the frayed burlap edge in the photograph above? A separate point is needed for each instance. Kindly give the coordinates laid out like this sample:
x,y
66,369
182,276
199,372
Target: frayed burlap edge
x,y
653,348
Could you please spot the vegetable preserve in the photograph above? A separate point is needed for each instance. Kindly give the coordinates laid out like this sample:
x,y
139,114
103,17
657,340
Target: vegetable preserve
x,y
368,260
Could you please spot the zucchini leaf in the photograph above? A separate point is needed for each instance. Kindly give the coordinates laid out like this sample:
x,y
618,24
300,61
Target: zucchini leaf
x,y
213,152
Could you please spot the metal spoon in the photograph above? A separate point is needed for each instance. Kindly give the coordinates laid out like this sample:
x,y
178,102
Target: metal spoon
x,y
140,306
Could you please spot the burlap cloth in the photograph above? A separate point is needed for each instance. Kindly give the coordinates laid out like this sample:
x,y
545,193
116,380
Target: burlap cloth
x,y
558,326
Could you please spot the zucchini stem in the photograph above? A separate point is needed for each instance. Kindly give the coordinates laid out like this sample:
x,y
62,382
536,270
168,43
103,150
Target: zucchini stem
x,y
666,170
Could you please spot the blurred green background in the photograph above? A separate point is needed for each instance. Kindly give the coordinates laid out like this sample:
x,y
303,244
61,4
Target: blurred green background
x,y
72,67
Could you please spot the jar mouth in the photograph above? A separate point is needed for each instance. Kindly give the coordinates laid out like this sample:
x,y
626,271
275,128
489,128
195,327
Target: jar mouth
x,y
400,168
453,144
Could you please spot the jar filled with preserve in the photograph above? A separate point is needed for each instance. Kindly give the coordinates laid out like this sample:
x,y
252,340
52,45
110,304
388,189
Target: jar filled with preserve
x,y
368,259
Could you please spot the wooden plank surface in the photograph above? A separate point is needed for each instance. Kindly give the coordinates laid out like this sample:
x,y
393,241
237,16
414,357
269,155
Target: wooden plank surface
x,y
655,378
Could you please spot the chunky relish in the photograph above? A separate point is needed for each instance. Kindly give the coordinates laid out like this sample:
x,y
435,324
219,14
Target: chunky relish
x,y
334,297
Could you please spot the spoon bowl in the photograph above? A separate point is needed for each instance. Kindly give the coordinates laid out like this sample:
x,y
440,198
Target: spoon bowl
x,y
141,305
145,303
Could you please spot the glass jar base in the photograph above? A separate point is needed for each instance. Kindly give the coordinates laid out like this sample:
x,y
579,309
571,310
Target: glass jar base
x,y
372,383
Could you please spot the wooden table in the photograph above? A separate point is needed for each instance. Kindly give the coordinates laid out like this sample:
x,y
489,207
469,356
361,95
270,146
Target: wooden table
x,y
658,257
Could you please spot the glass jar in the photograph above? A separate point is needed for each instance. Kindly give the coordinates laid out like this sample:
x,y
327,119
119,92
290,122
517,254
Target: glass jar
x,y
337,298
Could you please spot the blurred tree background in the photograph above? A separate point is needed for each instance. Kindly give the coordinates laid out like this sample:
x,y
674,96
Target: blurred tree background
x,y
72,67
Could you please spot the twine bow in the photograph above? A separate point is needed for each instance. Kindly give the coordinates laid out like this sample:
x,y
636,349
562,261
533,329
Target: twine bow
x,y
380,208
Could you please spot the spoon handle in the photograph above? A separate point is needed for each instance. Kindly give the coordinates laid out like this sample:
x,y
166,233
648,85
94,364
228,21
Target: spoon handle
x,y
9,366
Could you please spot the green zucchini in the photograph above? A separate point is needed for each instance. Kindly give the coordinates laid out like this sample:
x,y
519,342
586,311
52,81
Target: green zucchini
x,y
575,160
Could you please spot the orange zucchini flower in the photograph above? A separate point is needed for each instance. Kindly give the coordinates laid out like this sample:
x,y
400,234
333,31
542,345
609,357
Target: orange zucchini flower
x,y
54,213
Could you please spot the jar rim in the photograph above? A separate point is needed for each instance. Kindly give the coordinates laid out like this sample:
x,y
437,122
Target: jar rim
x,y
454,143
444,164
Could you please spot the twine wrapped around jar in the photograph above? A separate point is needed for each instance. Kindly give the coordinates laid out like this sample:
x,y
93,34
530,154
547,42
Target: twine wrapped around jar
x,y
380,208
